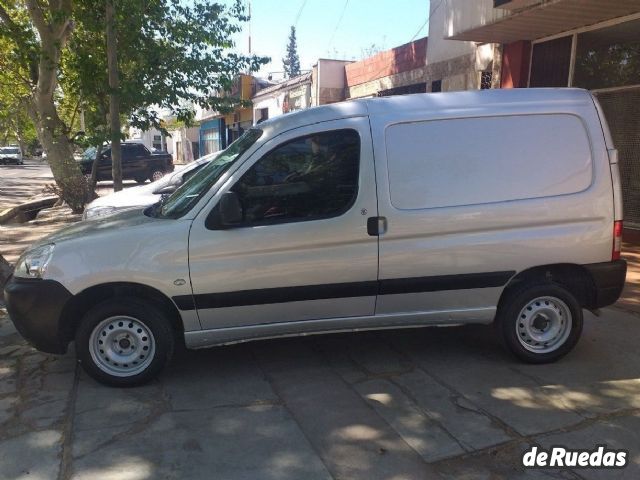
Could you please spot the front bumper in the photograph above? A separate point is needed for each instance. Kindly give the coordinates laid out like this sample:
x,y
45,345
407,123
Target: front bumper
x,y
608,278
35,307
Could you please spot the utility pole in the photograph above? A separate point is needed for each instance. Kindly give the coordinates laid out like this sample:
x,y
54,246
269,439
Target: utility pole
x,y
114,98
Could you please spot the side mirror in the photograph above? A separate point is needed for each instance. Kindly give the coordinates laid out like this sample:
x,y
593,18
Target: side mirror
x,y
230,210
166,190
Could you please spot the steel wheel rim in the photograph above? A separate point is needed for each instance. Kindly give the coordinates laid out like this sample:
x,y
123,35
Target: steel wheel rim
x,y
157,175
122,346
544,324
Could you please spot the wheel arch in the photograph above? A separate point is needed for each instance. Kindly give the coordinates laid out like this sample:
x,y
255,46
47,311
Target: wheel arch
x,y
80,303
573,277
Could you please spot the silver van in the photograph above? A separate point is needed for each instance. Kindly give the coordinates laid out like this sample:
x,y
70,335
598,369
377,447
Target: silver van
x,y
430,209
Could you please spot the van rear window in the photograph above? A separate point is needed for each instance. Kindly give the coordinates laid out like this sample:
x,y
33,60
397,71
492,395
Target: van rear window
x,y
469,161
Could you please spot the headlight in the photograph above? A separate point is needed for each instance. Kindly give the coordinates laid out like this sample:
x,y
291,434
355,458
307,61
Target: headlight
x,y
98,212
33,263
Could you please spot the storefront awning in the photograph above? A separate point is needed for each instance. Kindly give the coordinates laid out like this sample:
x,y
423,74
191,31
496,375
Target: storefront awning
x,y
548,18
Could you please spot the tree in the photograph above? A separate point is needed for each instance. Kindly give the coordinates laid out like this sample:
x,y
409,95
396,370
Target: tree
x,y
34,34
170,54
114,98
291,62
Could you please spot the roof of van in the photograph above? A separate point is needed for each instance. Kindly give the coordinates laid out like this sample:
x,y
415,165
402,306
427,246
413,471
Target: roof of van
x,y
426,101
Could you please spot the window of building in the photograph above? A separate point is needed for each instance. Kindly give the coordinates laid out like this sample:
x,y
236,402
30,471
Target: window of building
x,y
210,140
485,80
263,114
407,89
308,178
179,152
608,57
157,142
436,86
550,63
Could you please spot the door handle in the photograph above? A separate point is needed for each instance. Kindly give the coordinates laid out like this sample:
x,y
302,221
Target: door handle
x,y
376,226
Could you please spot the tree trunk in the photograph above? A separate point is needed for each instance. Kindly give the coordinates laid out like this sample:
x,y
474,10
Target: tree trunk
x,y
5,271
114,98
51,130
51,133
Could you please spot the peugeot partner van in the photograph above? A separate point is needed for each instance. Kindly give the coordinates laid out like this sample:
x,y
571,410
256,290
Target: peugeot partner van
x,y
410,211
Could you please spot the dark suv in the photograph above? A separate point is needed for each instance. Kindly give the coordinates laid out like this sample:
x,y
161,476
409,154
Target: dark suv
x,y
138,163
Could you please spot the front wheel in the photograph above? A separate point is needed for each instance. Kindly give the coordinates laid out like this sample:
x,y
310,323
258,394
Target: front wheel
x,y
540,323
124,342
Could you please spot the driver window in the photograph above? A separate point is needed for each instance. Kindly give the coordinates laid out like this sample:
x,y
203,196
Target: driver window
x,y
307,178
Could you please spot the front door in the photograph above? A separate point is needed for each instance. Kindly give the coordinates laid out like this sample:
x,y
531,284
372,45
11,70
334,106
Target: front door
x,y
302,251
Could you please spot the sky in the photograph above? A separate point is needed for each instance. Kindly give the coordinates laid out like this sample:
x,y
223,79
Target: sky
x,y
341,29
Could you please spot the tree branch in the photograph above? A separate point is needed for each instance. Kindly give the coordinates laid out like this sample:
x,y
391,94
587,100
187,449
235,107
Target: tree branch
x,y
38,18
6,18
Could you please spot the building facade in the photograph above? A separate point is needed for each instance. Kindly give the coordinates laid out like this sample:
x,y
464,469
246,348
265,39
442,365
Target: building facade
x,y
324,84
153,139
217,130
184,144
291,95
461,65
392,72
591,44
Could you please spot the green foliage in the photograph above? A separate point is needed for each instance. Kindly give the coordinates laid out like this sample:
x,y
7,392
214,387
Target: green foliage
x,y
291,62
171,57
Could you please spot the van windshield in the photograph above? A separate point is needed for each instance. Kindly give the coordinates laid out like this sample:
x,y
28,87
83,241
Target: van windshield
x,y
190,192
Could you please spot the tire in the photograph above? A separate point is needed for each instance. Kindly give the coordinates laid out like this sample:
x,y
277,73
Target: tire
x,y
156,175
540,322
140,180
135,331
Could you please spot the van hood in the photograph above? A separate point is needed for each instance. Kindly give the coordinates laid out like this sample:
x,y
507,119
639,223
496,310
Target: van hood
x,y
125,219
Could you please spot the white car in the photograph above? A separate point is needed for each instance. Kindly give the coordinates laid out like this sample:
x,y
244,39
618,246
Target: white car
x,y
144,195
10,155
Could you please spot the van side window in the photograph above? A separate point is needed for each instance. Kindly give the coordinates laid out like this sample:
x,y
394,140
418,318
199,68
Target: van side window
x,y
307,178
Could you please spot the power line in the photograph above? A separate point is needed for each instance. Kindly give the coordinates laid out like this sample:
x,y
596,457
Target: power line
x,y
426,21
295,23
338,24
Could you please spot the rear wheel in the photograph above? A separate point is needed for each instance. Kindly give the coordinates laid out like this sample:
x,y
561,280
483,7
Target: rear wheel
x,y
540,323
140,179
124,342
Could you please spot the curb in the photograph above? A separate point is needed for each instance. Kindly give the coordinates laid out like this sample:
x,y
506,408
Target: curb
x,y
10,213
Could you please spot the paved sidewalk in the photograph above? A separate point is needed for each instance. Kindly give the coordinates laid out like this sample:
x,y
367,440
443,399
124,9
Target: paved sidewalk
x,y
414,404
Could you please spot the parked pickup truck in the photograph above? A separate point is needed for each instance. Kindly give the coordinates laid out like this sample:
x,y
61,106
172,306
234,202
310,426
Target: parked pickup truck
x,y
138,163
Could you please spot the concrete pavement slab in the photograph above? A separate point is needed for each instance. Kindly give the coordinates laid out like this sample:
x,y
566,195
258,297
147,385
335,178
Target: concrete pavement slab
x,y
498,464
352,440
32,456
471,428
463,420
210,378
468,362
232,443
423,434
617,433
